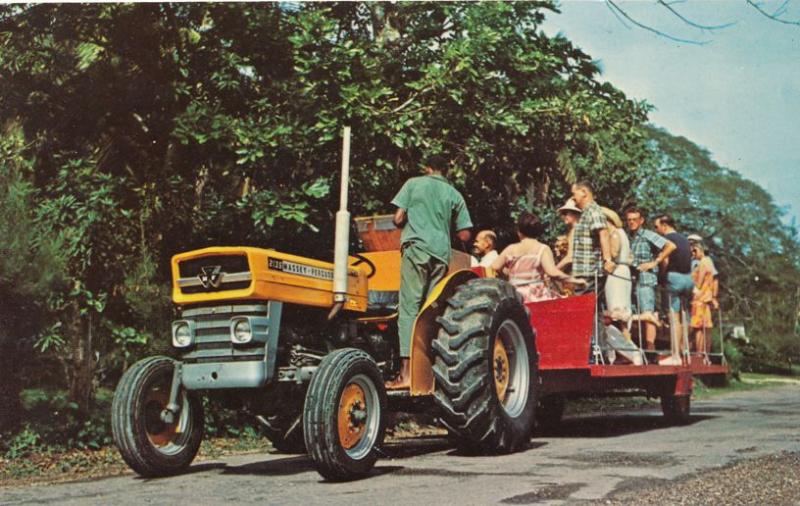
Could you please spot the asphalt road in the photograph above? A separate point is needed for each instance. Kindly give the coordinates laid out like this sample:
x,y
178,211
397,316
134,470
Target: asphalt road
x,y
590,458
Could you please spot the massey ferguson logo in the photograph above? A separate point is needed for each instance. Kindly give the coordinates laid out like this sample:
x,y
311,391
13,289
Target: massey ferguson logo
x,y
210,276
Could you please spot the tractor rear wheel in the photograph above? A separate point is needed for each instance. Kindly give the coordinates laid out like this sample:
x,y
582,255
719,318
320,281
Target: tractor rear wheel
x,y
344,417
148,444
486,367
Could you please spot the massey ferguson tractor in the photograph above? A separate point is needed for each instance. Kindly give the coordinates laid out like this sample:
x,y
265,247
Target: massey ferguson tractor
x,y
306,346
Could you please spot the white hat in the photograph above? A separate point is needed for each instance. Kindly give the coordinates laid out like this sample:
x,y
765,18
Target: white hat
x,y
612,216
570,205
694,238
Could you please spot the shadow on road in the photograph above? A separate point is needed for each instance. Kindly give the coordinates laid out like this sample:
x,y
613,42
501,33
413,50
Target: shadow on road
x,y
595,426
470,452
277,467
399,449
196,468
602,426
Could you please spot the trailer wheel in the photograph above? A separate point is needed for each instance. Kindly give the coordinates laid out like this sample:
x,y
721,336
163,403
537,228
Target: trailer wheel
x,y
486,367
148,445
344,417
285,432
676,408
550,411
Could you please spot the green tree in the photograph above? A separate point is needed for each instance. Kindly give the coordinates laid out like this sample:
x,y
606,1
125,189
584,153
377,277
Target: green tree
x,y
31,268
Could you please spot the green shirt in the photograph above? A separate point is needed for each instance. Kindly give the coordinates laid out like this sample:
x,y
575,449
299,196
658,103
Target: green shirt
x,y
434,209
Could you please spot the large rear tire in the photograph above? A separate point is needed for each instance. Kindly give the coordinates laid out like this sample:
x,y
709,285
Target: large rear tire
x,y
344,417
486,367
148,445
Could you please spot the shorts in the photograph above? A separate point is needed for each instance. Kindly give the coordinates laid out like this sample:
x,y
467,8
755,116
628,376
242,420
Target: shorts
x,y
679,286
645,298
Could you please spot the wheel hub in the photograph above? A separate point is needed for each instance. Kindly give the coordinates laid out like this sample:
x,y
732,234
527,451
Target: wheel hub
x,y
352,416
159,432
501,368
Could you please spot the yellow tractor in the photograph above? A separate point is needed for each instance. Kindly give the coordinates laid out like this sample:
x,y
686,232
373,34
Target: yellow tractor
x,y
306,347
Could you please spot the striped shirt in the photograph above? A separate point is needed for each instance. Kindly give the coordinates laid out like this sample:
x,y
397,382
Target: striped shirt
x,y
586,255
643,244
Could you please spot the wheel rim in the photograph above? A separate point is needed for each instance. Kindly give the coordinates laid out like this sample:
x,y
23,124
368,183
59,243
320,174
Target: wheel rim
x,y
167,438
358,417
511,368
501,368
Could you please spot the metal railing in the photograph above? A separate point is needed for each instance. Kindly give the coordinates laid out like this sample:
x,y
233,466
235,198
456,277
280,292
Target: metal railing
x,y
679,345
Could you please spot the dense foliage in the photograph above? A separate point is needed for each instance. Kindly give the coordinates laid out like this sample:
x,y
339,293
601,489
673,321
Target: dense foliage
x,y
131,132
756,252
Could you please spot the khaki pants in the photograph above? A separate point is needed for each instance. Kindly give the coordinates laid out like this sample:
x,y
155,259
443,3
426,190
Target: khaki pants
x,y
419,273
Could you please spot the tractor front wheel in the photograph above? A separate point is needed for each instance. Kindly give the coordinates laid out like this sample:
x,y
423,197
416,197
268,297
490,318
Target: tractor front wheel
x,y
148,444
486,367
344,417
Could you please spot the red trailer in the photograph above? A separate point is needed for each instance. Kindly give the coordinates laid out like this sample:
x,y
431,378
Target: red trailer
x,y
564,340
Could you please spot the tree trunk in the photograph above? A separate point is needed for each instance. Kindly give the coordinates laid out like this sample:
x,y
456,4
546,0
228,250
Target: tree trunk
x,y
10,386
797,312
80,363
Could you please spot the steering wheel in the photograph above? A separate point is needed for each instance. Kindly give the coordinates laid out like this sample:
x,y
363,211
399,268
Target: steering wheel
x,y
361,259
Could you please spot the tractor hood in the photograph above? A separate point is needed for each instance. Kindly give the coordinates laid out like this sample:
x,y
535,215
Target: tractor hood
x,y
244,273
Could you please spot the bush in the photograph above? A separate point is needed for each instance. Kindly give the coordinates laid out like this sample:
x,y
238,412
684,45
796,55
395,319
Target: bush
x,y
735,359
223,420
24,443
53,422
759,356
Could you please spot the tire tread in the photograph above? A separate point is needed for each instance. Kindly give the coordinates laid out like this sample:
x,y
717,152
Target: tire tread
x,y
464,386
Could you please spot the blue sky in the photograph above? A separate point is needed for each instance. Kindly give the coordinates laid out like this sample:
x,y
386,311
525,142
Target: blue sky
x,y
738,95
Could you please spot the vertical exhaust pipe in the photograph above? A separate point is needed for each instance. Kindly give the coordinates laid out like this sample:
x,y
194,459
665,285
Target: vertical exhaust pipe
x,y
341,249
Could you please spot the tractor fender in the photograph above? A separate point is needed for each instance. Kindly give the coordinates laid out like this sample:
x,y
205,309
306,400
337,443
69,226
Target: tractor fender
x,y
426,328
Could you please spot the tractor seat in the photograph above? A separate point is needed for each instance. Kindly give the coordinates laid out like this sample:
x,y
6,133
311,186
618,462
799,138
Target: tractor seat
x,y
382,302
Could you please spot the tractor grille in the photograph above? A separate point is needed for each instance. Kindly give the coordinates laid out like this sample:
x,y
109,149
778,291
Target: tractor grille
x,y
213,334
214,273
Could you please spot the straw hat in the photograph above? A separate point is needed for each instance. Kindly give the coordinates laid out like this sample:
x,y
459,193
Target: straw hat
x,y
569,205
612,217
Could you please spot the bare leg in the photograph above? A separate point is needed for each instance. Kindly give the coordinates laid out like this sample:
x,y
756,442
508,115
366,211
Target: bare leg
x,y
677,333
403,380
676,341
650,336
699,341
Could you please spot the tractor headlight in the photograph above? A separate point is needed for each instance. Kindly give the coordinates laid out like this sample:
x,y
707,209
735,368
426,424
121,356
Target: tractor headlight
x,y
241,331
182,335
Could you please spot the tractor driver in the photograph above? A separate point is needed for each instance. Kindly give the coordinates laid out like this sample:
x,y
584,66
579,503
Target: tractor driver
x,y
428,210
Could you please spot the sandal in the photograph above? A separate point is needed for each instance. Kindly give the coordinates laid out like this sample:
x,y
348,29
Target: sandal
x,y
671,360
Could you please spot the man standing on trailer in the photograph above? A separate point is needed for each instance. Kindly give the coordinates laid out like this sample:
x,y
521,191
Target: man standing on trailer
x,y
428,210
591,246
679,282
643,245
